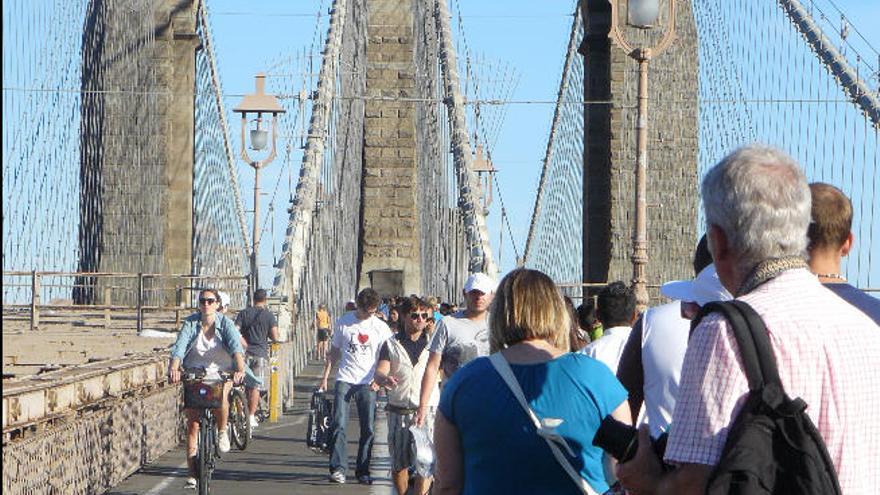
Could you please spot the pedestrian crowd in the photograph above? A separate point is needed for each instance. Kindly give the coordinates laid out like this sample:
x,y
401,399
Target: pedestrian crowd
x,y
520,390
517,390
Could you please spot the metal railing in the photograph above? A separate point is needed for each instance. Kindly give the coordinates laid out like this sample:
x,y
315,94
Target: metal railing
x,y
111,294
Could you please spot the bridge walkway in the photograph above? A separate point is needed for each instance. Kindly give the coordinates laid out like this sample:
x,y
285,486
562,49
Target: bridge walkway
x,y
277,460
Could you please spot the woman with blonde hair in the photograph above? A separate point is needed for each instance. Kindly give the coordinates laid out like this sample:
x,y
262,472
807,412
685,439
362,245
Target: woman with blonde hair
x,y
486,441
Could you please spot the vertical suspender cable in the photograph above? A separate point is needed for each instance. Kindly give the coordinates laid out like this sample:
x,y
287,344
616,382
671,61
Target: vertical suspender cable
x,y
548,155
480,252
299,227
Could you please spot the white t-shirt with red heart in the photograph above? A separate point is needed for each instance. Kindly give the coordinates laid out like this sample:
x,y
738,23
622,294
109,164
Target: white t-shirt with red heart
x,y
358,342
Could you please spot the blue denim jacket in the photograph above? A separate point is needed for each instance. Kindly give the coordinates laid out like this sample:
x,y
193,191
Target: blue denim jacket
x,y
225,331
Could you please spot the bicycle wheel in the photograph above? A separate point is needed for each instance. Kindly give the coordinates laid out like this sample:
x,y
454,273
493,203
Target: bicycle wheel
x,y
206,454
239,425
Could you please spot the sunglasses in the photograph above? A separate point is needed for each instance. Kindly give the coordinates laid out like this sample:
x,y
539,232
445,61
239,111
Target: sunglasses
x,y
207,300
416,316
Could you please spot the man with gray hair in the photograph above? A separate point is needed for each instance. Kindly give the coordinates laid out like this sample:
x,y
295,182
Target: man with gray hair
x,y
757,207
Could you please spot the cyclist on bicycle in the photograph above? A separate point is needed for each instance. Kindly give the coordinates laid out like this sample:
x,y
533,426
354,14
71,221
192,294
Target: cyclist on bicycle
x,y
209,340
257,325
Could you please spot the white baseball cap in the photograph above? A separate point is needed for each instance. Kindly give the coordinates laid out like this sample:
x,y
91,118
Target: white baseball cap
x,y
224,298
705,288
480,282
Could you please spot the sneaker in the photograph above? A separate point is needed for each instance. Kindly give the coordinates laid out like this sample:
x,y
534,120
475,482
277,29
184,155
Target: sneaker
x,y
223,441
191,483
337,477
365,479
254,422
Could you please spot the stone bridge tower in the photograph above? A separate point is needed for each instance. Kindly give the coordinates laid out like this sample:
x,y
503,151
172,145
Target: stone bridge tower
x,y
610,150
390,251
138,82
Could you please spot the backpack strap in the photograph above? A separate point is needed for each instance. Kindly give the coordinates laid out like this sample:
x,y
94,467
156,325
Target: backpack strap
x,y
744,340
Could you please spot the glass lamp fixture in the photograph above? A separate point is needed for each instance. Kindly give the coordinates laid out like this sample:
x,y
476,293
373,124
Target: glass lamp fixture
x,y
643,14
259,138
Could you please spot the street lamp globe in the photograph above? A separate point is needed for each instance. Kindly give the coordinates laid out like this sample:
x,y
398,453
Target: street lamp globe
x,y
259,139
643,13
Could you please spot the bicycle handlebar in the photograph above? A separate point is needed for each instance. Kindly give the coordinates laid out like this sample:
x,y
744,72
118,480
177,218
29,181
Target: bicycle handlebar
x,y
190,374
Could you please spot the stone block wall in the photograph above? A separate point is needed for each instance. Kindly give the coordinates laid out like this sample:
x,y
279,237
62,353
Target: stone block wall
x,y
389,229
95,450
138,67
610,151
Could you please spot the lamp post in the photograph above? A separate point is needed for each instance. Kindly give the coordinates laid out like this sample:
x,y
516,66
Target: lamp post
x,y
258,103
642,14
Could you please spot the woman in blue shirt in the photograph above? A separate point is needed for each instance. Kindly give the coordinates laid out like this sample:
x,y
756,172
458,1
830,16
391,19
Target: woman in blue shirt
x,y
485,441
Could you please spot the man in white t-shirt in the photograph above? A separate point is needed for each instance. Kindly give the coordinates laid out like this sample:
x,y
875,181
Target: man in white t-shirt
x,y
357,337
616,309
459,338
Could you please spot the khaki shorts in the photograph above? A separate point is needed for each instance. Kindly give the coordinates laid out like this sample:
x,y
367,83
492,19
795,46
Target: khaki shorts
x,y
260,367
400,439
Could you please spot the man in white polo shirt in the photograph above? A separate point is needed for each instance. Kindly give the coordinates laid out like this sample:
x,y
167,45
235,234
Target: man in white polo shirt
x,y
357,338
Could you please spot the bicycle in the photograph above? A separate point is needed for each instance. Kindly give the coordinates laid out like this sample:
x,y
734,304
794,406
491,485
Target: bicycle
x,y
239,425
204,395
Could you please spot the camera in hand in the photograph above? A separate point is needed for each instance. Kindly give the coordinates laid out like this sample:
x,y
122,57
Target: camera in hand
x,y
622,440
618,439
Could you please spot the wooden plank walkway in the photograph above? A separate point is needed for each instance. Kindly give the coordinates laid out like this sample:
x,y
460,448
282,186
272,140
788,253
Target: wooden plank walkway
x,y
277,460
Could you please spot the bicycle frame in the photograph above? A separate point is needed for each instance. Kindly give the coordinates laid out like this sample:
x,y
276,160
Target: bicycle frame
x,y
209,450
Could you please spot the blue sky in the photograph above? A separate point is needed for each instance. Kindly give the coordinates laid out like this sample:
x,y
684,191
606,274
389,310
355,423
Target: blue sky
x,y
528,36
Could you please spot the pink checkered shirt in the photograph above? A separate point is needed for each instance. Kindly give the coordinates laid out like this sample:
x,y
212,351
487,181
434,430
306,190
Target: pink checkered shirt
x,y
828,354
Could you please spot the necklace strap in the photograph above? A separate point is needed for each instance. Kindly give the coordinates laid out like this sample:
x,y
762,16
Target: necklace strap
x,y
838,276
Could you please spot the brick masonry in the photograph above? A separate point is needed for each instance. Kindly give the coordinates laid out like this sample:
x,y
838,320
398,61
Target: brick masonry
x,y
389,232
610,151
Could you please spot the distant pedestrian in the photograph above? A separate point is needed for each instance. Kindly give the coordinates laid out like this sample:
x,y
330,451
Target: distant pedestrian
x,y
616,309
357,337
831,239
578,338
459,338
322,329
587,320
486,442
258,326
402,363
394,318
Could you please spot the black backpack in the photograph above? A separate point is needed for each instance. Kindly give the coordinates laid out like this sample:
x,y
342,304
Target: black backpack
x,y
772,446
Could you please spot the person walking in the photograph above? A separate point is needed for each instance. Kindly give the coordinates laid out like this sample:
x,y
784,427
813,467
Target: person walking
x,y
322,328
757,208
357,337
486,442
402,363
458,338
257,325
